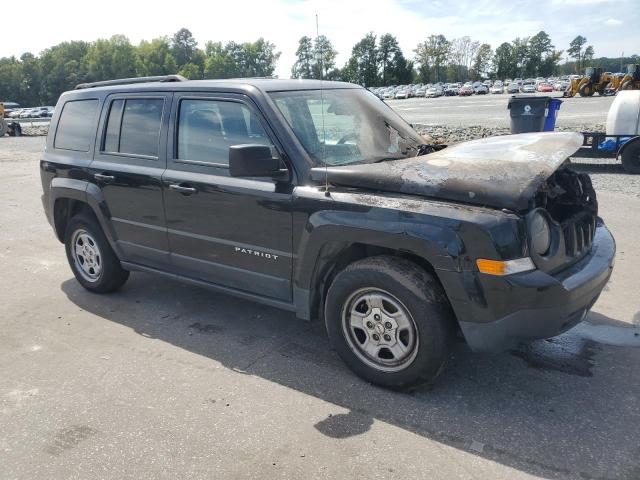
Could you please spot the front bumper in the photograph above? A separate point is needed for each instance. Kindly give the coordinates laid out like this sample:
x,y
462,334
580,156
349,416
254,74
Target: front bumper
x,y
535,305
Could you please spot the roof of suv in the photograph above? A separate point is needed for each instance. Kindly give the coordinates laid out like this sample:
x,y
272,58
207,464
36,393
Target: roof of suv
x,y
234,84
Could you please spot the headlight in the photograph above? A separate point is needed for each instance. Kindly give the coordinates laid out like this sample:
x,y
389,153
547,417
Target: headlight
x,y
540,233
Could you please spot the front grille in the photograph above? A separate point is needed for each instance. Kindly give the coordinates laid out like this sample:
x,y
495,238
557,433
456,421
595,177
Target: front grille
x,y
578,232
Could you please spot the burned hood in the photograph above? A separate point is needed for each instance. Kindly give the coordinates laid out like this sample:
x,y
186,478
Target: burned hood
x,y
500,172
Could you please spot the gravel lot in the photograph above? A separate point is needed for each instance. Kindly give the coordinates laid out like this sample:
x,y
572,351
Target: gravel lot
x,y
163,380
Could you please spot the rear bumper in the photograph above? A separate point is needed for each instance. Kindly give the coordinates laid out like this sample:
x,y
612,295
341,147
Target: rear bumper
x,y
535,305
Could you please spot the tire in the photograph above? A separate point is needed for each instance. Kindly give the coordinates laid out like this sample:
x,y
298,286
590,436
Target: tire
x,y
3,127
586,91
631,157
90,256
407,309
628,85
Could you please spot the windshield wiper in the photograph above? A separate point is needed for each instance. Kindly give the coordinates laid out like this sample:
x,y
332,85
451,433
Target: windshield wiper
x,y
426,148
386,159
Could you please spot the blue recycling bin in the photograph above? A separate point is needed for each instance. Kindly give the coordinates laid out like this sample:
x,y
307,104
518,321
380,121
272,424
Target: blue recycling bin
x,y
552,112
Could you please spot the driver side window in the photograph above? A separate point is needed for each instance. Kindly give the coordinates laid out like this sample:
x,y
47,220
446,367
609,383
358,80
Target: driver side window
x,y
207,128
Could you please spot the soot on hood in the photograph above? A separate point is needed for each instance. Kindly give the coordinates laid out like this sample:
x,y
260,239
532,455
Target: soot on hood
x,y
501,172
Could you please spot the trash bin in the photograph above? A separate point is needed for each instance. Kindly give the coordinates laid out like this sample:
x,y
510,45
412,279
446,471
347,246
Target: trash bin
x,y
527,113
552,114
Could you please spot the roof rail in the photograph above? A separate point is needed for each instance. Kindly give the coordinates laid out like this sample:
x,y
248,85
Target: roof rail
x,y
127,81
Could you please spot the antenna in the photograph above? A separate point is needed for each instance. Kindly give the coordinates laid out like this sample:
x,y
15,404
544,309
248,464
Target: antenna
x,y
324,133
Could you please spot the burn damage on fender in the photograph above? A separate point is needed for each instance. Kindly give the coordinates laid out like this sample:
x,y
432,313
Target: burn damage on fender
x,y
500,172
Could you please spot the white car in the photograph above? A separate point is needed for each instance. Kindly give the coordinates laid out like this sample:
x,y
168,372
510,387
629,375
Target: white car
x,y
528,88
402,94
497,88
433,92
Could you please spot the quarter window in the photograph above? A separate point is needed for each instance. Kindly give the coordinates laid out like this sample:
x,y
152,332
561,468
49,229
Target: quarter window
x,y
133,126
207,128
76,128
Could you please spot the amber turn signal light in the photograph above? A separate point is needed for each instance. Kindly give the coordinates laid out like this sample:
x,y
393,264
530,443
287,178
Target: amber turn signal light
x,y
505,267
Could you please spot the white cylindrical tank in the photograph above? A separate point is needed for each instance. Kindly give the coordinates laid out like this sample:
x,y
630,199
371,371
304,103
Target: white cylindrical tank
x,y
624,114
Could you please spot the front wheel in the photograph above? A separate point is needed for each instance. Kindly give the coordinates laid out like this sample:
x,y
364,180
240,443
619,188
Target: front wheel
x,y
631,157
587,90
90,256
390,322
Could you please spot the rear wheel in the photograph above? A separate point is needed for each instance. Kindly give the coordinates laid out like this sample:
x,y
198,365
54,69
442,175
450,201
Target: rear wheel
x,y
631,157
90,256
390,321
628,85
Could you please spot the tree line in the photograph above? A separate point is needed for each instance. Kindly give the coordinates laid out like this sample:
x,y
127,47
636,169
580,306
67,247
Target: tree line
x,y
374,61
31,80
380,61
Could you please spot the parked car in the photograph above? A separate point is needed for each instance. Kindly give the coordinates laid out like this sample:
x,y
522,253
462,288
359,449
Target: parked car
x,y
528,88
402,94
247,207
9,108
544,87
480,89
15,113
513,88
497,88
433,92
26,113
452,90
466,91
420,92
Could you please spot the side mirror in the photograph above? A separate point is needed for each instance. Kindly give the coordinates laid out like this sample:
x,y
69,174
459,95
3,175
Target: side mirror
x,y
252,161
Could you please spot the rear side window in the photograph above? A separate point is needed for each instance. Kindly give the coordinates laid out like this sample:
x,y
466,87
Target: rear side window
x,y
133,126
76,125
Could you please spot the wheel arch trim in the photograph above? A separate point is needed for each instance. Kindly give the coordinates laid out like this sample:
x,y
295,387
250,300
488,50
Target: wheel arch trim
x,y
329,234
86,193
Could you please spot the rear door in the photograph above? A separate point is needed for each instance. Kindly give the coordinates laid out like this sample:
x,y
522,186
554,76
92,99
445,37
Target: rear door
x,y
234,232
130,157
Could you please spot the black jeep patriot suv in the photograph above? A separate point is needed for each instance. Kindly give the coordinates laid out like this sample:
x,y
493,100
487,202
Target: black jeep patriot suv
x,y
317,198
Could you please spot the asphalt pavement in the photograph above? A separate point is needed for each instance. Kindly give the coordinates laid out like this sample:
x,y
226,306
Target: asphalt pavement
x,y
491,110
163,380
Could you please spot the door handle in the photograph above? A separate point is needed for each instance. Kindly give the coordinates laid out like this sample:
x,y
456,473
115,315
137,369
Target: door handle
x,y
184,189
103,177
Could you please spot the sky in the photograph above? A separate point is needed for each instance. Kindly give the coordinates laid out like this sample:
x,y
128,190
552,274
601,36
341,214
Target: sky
x,y
611,26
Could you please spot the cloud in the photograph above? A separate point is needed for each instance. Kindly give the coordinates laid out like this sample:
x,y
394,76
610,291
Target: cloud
x,y
585,2
283,22
613,22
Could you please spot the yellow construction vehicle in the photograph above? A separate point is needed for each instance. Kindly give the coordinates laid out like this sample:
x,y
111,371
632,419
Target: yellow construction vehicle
x,y
9,126
594,81
631,80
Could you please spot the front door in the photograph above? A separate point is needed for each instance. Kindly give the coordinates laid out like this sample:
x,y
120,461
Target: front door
x,y
128,164
234,232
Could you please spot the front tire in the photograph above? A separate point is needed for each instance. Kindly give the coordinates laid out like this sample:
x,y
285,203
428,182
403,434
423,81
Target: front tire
x,y
631,158
390,321
90,256
587,90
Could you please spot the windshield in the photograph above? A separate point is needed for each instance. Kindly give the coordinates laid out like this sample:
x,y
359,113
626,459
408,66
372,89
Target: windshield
x,y
353,127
